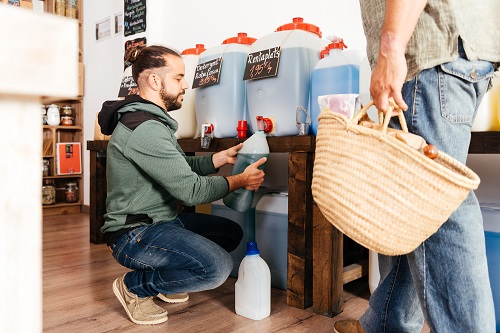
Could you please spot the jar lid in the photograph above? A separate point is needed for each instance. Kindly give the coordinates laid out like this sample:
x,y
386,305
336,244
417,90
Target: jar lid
x,y
71,184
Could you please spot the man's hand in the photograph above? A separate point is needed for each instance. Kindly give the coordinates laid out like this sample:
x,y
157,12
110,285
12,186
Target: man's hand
x,y
227,156
250,179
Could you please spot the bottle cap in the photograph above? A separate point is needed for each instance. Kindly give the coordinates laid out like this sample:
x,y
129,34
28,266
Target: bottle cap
x,y
298,23
252,248
242,38
196,50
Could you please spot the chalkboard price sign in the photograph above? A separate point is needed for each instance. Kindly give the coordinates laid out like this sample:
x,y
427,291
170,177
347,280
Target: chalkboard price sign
x,y
207,73
262,64
134,20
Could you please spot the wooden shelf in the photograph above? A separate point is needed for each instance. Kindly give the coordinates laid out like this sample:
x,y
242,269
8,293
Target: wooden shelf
x,y
55,134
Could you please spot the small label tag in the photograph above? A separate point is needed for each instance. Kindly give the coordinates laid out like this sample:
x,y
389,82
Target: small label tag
x,y
262,64
207,73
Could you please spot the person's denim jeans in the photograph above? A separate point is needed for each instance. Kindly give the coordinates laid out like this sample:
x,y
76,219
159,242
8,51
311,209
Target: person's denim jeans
x,y
187,254
445,280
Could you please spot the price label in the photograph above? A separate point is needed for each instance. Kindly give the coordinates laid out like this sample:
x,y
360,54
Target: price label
x,y
262,64
207,73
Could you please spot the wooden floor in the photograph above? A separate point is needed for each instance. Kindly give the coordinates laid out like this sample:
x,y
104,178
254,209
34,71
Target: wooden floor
x,y
77,294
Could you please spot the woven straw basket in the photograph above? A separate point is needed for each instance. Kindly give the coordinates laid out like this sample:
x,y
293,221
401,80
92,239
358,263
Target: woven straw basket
x,y
379,191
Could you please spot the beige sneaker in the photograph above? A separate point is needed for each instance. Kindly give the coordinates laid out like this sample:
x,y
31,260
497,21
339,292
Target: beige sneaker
x,y
348,326
174,298
141,311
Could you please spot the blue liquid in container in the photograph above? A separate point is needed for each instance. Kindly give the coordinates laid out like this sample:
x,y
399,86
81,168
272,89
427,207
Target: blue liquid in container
x,y
279,96
342,79
224,103
241,199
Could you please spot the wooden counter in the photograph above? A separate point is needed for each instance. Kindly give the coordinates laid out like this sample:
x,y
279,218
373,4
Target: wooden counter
x,y
316,272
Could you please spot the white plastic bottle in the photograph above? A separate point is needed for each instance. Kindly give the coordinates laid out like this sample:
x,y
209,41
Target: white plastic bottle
x,y
254,148
252,290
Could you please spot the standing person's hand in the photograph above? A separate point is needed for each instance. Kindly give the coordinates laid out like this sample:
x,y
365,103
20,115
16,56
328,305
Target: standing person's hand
x,y
227,156
388,77
390,72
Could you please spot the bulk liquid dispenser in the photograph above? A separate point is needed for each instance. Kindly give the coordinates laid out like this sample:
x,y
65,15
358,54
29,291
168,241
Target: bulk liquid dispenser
x,y
280,96
336,73
254,148
186,115
223,104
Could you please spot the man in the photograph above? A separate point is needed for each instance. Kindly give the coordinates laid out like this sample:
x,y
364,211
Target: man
x,y
436,59
169,253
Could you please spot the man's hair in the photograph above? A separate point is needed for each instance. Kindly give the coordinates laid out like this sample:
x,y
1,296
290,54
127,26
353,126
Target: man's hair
x,y
149,57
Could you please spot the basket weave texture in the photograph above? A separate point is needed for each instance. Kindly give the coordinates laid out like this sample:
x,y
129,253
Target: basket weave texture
x,y
382,193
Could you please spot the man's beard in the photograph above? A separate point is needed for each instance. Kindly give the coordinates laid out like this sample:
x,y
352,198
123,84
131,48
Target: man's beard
x,y
171,101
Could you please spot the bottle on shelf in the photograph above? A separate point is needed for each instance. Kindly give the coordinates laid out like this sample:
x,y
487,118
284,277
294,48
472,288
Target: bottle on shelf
x,y
252,290
253,149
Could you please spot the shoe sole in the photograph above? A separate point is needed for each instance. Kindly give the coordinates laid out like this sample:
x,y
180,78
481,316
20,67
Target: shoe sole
x,y
173,300
116,291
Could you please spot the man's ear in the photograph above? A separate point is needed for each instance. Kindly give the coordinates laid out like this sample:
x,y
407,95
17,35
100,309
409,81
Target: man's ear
x,y
154,82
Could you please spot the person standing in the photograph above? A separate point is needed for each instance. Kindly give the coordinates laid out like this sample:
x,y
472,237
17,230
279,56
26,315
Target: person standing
x,y
169,253
436,59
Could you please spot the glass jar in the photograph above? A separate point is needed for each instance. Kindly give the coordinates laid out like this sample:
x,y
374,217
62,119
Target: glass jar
x,y
60,7
67,110
44,114
71,8
53,118
48,192
46,168
66,121
71,192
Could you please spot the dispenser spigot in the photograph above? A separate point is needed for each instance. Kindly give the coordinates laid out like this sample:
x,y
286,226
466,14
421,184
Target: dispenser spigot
x,y
265,124
207,134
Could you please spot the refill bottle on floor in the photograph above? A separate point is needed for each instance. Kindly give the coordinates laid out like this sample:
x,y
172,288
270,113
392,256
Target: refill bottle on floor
x,y
252,290
253,149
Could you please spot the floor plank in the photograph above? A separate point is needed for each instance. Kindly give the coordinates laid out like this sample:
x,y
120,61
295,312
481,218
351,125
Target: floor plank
x,y
77,294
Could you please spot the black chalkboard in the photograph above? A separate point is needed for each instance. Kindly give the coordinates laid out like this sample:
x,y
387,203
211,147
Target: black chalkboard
x,y
262,64
134,20
207,73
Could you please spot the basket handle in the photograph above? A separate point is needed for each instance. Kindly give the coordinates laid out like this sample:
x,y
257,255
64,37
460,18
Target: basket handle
x,y
384,118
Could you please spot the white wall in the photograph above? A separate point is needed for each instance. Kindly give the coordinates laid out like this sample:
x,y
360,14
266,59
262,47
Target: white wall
x,y
183,24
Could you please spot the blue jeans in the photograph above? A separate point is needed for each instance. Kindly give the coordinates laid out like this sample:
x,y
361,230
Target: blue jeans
x,y
445,280
187,254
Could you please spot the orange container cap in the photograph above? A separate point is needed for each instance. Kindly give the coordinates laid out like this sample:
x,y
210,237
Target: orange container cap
x,y
196,50
337,45
298,23
242,38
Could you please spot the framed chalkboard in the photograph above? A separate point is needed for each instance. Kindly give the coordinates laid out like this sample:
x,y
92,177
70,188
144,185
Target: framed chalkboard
x,y
207,73
134,20
262,64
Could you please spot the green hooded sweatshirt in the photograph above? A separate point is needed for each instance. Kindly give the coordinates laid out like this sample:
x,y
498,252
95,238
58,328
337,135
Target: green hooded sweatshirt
x,y
147,171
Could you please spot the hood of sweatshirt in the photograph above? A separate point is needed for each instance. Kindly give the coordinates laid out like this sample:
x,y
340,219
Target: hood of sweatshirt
x,y
112,111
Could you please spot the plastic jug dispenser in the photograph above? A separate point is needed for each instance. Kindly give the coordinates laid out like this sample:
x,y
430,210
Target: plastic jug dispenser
x,y
254,148
336,73
252,290
223,104
279,97
186,115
